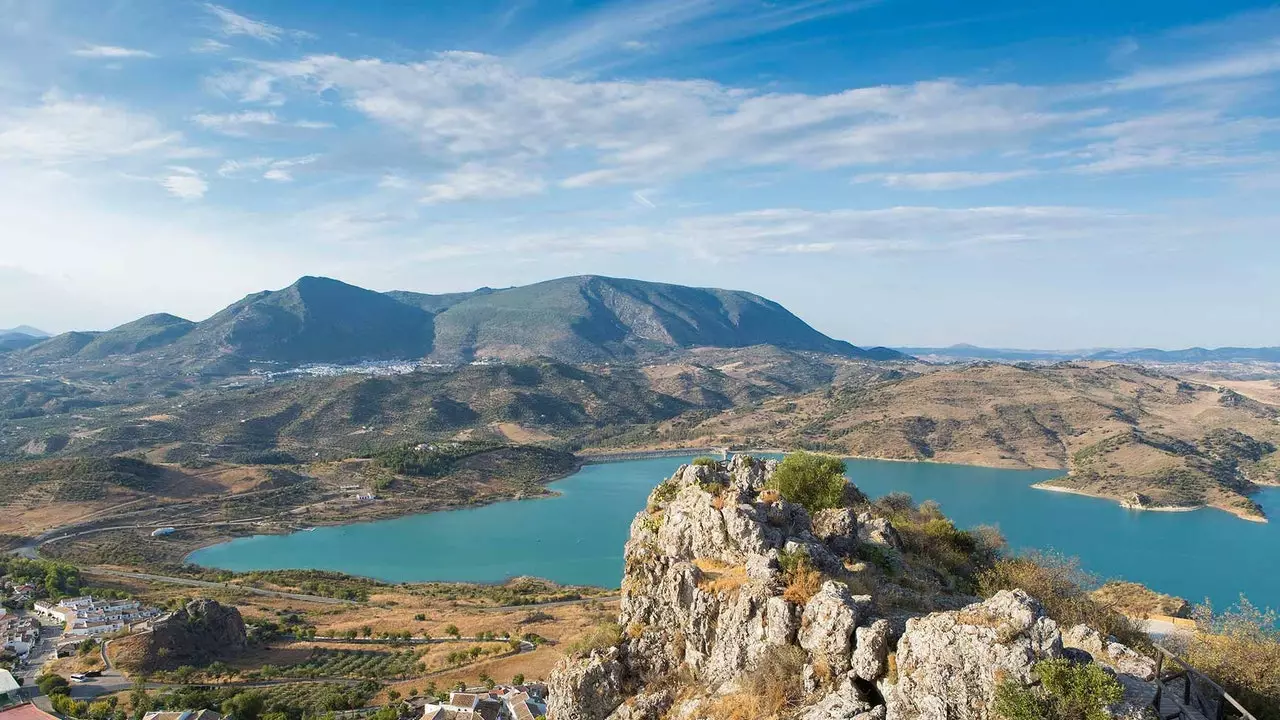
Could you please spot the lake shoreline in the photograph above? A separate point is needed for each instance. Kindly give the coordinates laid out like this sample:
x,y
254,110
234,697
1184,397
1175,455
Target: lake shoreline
x,y
1151,508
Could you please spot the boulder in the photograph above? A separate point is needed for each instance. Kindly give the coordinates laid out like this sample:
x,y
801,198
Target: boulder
x,y
846,702
1106,650
878,531
950,663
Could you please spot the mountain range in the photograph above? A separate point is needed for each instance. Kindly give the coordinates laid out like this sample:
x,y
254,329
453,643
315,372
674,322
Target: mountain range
x,y
20,337
583,319
964,353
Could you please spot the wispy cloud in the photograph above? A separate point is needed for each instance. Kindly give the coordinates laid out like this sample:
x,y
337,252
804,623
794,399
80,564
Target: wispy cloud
x,y
232,23
475,181
62,129
185,183
111,52
630,26
1239,64
241,124
951,180
209,45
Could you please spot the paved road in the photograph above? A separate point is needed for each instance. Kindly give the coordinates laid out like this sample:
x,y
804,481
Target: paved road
x,y
222,586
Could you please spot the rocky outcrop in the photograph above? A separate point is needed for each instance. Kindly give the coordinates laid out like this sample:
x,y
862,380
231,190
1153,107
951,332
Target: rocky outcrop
x,y
734,598
950,663
1107,651
196,635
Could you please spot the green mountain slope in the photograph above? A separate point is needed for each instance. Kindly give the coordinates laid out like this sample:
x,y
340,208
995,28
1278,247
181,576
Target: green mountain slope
x,y
314,320
146,333
591,319
586,319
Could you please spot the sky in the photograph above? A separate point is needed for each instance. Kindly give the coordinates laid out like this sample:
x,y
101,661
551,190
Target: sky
x,y
896,172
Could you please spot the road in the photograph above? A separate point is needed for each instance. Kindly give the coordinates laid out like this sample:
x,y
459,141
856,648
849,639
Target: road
x,y
220,586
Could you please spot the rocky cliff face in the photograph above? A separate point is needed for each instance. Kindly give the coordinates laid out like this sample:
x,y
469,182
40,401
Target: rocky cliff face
x,y
737,604
201,632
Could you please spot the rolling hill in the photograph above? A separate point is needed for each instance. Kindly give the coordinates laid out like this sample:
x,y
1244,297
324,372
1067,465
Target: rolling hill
x,y
1119,430
586,319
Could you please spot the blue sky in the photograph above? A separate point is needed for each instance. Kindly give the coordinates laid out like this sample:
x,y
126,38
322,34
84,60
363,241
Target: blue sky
x,y
894,171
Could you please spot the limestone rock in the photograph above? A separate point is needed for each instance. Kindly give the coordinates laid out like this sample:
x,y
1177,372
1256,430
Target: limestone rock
x,y
871,651
950,663
828,623
645,706
878,531
589,689
1106,650
846,702
838,529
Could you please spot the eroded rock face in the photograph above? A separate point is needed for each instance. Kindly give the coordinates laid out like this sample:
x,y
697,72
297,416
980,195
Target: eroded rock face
x,y
950,663
706,605
588,689
1109,652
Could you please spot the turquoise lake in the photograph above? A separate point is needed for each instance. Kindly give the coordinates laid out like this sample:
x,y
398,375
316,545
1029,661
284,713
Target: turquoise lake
x,y
577,537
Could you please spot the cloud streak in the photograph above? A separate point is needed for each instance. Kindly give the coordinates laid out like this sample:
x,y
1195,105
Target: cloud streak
x,y
111,52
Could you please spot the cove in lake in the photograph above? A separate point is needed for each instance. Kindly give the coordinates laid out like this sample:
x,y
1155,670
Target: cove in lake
x,y
577,537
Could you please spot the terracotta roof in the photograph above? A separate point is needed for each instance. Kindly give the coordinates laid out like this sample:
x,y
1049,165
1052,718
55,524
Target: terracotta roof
x,y
25,712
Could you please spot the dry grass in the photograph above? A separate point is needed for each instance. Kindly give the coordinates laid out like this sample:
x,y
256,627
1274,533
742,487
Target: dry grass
x,y
769,691
718,577
802,585
1139,601
1240,649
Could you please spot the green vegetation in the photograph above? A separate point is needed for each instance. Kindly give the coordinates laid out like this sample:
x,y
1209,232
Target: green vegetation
x,y
706,462
52,579
931,540
1063,588
1067,691
314,582
815,481
372,664
1240,650
292,702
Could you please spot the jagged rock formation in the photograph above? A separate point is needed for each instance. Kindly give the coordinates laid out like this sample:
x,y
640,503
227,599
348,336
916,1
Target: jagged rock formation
x,y
737,604
201,632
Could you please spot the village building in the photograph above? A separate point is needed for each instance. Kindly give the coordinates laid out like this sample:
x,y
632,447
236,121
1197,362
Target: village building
x,y
19,634
89,616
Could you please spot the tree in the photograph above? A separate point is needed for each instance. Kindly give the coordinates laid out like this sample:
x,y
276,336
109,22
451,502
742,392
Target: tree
x,y
453,631
366,631
460,686
486,680
139,700
53,685
393,695
244,706
518,679
420,617
816,482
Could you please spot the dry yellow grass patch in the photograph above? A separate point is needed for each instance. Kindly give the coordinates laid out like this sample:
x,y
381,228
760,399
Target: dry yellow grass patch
x,y
802,584
718,577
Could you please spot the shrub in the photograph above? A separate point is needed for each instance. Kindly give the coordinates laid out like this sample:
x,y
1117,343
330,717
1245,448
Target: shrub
x,y
706,462
802,578
1062,587
816,482
769,690
1067,692
1240,649
601,636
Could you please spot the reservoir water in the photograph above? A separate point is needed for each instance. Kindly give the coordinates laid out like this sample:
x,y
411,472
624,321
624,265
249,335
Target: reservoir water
x,y
577,537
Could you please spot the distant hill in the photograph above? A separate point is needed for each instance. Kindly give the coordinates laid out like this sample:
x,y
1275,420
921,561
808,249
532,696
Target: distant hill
x,y
13,340
26,330
585,319
963,353
1119,429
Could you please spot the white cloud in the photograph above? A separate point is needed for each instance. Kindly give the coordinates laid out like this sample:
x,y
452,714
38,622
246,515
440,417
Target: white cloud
x,y
67,129
1186,138
478,182
235,123
233,23
282,170
184,182
641,199
473,107
941,180
1246,63
231,168
111,52
245,123
209,45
